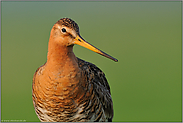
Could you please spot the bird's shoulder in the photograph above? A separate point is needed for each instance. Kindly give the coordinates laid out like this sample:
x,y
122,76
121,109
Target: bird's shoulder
x,y
94,73
38,72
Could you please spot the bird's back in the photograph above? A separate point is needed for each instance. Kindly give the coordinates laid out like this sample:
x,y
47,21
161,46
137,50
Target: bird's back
x,y
95,104
100,88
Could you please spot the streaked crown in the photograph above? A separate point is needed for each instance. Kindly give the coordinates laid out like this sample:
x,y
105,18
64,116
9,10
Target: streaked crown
x,y
69,23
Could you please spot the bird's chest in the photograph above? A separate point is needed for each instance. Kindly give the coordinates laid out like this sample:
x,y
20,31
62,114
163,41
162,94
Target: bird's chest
x,y
58,95
60,86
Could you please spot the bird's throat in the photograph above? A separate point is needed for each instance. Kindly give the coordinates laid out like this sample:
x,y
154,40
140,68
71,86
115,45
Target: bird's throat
x,y
61,59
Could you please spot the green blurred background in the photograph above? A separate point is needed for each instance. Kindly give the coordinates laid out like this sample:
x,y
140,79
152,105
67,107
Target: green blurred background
x,y
144,36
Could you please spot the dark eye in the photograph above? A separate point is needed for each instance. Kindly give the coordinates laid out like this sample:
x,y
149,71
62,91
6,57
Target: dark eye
x,y
63,30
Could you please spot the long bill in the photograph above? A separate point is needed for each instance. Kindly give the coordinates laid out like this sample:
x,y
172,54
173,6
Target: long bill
x,y
80,41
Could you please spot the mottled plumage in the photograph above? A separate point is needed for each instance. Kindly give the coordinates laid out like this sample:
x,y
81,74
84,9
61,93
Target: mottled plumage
x,y
66,88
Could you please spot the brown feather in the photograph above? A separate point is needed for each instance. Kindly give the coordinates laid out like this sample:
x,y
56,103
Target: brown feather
x,y
68,89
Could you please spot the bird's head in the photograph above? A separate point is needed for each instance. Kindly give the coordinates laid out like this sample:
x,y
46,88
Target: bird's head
x,y
66,33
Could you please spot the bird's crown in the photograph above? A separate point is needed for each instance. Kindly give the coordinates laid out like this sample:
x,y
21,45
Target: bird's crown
x,y
68,23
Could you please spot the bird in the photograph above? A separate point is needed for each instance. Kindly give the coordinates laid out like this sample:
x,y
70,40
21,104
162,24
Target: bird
x,y
67,88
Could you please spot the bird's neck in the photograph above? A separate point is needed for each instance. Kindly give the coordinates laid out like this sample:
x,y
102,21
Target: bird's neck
x,y
61,58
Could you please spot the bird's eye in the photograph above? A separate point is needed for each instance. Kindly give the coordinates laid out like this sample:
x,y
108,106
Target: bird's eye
x,y
63,30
